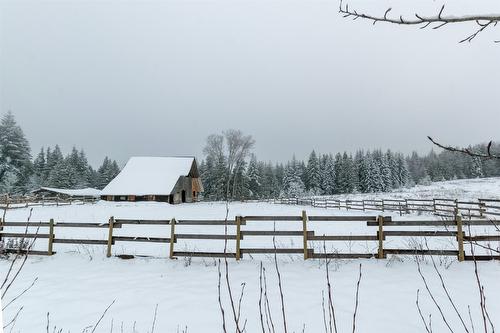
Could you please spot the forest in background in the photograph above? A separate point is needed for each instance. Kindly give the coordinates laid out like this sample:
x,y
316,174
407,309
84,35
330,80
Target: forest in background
x,y
342,173
20,174
249,178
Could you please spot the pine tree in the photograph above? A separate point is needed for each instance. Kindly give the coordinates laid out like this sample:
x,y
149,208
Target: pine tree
x,y
293,186
254,178
328,174
39,168
63,175
340,175
386,171
313,175
376,175
55,164
106,172
401,171
360,165
476,168
240,182
15,157
220,178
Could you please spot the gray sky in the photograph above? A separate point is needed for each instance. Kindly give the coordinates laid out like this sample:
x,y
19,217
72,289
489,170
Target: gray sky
x,y
124,78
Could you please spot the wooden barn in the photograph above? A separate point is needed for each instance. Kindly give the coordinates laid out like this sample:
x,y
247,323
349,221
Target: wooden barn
x,y
166,179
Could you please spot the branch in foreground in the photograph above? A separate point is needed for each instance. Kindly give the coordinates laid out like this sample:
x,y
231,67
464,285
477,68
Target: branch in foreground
x,y
466,151
483,21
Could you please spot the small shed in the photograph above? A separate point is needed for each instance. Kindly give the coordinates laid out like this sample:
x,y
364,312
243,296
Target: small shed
x,y
166,179
84,193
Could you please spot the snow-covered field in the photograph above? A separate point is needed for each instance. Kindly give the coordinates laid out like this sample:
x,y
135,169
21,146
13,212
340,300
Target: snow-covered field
x,y
464,189
76,284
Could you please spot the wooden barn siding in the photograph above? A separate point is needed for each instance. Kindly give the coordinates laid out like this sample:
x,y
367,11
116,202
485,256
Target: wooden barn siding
x,y
186,184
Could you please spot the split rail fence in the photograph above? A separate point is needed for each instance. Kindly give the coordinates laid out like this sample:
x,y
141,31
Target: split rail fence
x,y
24,202
440,207
304,229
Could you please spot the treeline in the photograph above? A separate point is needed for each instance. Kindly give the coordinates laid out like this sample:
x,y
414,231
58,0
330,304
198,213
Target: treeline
x,y
327,174
19,174
52,169
324,174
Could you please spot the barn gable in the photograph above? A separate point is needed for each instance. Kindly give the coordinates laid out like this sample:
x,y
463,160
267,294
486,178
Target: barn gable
x,y
168,179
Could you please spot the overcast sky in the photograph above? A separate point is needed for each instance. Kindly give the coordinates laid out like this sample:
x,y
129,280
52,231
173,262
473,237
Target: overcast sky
x,y
123,78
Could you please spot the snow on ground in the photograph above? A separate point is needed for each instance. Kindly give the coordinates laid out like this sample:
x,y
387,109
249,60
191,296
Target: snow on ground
x,y
464,189
79,282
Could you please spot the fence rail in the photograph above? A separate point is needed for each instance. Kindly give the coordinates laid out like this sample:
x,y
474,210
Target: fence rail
x,y
304,228
31,201
438,206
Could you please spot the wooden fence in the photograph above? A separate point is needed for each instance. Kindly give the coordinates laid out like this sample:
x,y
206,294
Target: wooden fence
x,y
441,207
454,229
24,202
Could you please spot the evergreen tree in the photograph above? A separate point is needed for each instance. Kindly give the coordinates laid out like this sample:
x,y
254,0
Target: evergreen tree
x,y
313,175
106,172
401,174
476,167
39,168
340,182
386,171
328,175
239,182
293,186
15,157
254,178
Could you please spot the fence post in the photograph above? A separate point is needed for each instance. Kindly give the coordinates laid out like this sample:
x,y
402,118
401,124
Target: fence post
x,y
1,229
51,237
172,238
482,209
110,236
434,205
380,237
460,236
304,227
383,207
238,237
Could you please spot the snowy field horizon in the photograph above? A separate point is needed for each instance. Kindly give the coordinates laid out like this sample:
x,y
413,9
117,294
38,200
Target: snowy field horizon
x,y
74,287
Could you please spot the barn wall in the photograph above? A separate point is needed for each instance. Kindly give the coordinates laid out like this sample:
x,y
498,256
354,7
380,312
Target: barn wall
x,y
183,184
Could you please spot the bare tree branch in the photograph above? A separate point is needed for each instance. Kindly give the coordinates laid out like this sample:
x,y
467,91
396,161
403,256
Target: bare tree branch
x,y
483,21
467,151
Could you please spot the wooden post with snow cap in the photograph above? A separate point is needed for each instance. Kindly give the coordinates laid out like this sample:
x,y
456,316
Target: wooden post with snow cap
x,y
460,236
238,237
110,235
172,238
380,235
304,227
51,237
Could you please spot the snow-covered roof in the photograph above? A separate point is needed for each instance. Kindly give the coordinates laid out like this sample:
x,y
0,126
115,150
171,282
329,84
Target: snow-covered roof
x,y
149,176
84,192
